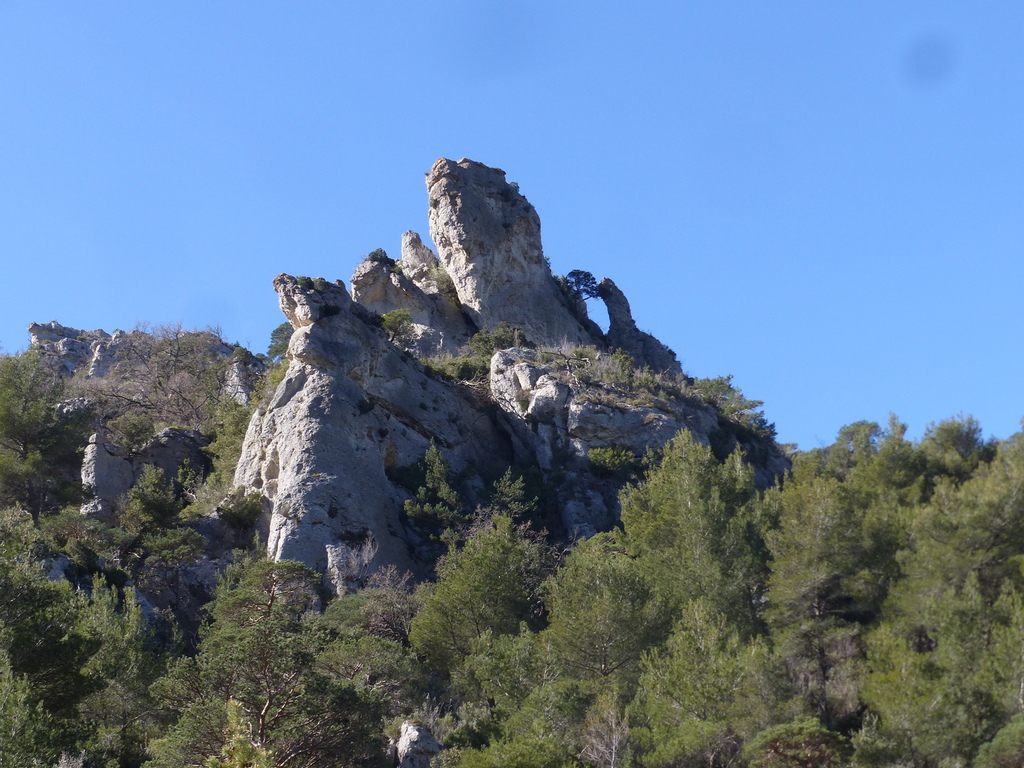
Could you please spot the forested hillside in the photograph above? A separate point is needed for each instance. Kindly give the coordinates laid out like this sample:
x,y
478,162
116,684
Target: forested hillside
x,y
449,520
867,610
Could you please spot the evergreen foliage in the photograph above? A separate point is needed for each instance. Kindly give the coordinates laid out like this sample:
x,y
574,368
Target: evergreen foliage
x,y
279,338
41,436
868,611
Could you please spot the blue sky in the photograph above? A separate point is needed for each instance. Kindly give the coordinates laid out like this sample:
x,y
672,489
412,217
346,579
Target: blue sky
x,y
825,200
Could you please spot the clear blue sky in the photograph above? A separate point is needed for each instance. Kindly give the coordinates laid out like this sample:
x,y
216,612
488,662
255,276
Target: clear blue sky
x,y
825,199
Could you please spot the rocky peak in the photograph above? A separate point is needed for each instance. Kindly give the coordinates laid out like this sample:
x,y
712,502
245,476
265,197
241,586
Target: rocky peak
x,y
355,407
64,348
438,324
418,260
351,407
488,239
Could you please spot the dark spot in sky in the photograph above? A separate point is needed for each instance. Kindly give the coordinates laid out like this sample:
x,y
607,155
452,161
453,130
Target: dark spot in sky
x,y
929,60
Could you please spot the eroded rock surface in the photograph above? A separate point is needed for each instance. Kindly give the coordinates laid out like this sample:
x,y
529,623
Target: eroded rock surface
x,y
351,405
438,324
488,239
415,748
111,472
623,333
560,418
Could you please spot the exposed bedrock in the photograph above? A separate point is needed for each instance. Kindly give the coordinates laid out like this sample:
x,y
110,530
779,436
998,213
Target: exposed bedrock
x,y
350,406
488,239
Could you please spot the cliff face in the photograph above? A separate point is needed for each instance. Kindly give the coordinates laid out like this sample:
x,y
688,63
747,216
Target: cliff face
x,y
488,239
353,405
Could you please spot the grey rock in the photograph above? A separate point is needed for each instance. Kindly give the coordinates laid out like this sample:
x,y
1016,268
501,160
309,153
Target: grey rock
x,y
558,420
169,449
488,239
108,473
111,473
557,416
415,748
439,327
350,406
63,348
418,261
305,305
623,333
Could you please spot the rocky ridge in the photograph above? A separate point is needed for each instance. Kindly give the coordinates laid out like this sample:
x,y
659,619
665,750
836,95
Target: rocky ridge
x,y
357,408
352,406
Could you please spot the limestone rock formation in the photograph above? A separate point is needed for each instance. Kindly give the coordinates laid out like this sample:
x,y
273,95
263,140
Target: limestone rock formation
x,y
415,747
623,333
488,239
66,349
439,326
111,472
120,356
351,406
419,263
560,413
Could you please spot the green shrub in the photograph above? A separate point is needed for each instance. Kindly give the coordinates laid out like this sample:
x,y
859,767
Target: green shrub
x,y
304,282
132,430
733,405
279,338
150,504
269,383
459,368
241,510
445,285
398,326
380,256
486,342
803,743
437,502
613,461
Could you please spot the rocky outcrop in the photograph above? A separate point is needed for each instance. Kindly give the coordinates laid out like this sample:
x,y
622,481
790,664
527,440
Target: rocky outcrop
x,y
560,414
488,239
351,407
419,263
66,349
415,747
623,333
438,324
111,472
121,356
